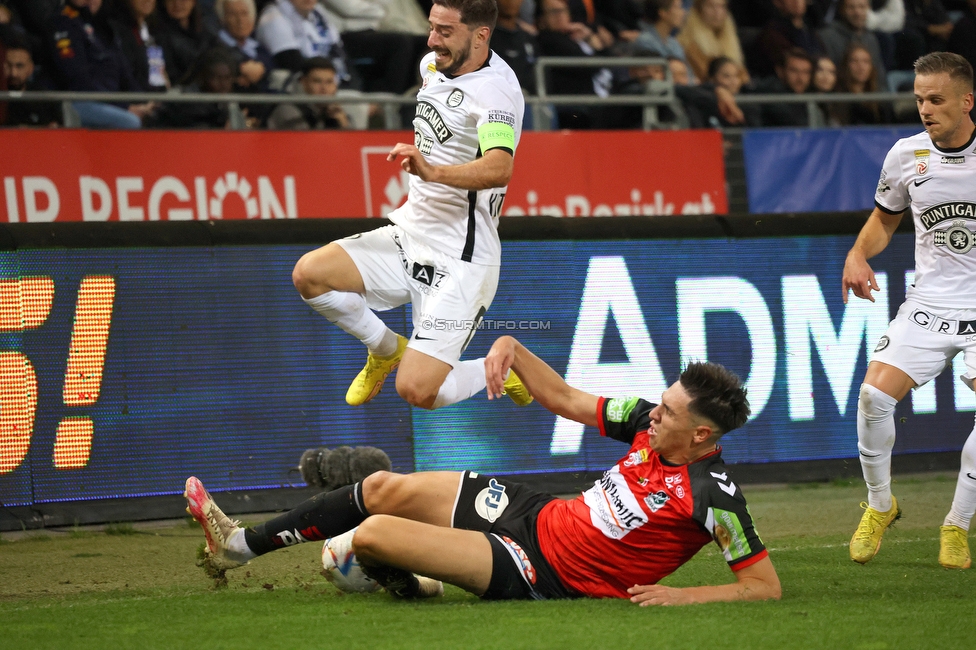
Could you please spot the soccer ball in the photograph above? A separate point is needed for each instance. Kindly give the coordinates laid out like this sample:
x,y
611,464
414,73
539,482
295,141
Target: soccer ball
x,y
342,567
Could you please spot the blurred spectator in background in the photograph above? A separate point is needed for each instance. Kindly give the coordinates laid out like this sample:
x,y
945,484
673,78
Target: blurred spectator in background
x,y
216,72
18,75
184,38
709,33
724,77
927,29
385,60
793,76
295,30
856,74
516,45
208,13
318,78
963,38
886,18
237,19
825,81
87,57
789,29
752,15
850,28
664,18
559,36
134,21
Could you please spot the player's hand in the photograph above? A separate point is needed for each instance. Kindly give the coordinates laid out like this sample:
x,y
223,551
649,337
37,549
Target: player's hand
x,y
645,595
413,161
858,277
500,358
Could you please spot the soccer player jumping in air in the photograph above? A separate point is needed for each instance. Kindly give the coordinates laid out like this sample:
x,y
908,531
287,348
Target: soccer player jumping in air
x,y
666,498
442,253
934,174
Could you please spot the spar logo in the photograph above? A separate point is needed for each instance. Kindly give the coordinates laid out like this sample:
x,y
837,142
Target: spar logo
x,y
142,198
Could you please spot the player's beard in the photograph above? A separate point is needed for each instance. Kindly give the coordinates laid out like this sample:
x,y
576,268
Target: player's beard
x,y
458,59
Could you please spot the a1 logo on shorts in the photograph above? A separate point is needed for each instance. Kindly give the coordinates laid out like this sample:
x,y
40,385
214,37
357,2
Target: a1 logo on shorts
x,y
491,502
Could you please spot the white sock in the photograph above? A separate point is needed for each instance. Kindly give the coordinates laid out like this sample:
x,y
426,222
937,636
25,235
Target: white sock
x,y
237,548
348,310
964,501
875,439
466,379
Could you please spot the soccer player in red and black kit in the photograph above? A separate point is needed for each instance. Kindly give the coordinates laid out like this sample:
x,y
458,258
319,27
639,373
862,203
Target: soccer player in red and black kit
x,y
649,514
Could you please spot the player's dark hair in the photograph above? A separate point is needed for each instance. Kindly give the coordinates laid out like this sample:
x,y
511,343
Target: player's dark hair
x,y
474,13
316,63
716,394
958,68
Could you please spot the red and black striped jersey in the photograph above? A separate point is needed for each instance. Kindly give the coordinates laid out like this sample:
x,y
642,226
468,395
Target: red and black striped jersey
x,y
645,517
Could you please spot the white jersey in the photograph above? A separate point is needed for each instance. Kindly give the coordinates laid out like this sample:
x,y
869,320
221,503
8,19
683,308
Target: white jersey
x,y
940,187
457,120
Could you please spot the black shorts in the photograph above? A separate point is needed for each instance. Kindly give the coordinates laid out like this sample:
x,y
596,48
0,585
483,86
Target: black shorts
x,y
506,513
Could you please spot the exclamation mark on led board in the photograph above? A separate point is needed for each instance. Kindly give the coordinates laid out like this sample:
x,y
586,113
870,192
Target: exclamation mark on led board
x,y
86,363
24,304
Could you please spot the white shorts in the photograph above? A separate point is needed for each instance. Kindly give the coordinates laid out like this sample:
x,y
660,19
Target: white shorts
x,y
921,341
449,297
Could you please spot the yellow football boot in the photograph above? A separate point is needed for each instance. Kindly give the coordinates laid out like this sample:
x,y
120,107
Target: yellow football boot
x,y
369,382
867,537
954,547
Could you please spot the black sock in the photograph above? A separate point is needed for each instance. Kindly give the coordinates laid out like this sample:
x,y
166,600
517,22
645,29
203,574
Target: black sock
x,y
321,517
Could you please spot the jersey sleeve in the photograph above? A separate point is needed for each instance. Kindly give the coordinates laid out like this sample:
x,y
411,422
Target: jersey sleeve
x,y
892,193
622,418
728,520
496,117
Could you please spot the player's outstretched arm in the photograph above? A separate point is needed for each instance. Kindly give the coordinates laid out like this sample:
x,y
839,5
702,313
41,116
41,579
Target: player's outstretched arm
x,y
494,169
543,382
755,582
874,238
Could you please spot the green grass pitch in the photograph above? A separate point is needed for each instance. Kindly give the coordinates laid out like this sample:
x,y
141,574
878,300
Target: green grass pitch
x,y
137,586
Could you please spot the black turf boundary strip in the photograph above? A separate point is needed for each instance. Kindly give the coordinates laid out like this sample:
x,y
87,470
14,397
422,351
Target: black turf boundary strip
x,y
318,231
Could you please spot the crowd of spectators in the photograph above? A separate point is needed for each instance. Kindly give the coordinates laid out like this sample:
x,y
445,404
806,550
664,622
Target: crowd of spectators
x,y
716,51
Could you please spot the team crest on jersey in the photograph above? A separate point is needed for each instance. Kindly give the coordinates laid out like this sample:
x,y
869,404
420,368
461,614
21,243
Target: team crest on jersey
x,y
958,239
637,457
455,98
921,161
656,500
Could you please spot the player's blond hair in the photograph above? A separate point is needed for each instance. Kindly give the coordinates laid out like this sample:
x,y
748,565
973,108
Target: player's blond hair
x,y
958,68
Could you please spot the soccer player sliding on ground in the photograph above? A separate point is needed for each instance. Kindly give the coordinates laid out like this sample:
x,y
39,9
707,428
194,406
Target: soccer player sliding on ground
x,y
442,254
666,498
934,174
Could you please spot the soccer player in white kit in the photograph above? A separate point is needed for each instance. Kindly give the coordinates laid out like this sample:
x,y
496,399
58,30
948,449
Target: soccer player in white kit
x,y
442,253
934,173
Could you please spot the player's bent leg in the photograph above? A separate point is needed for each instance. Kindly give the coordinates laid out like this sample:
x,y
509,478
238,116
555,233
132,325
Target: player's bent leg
x,y
426,497
329,268
460,557
420,377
